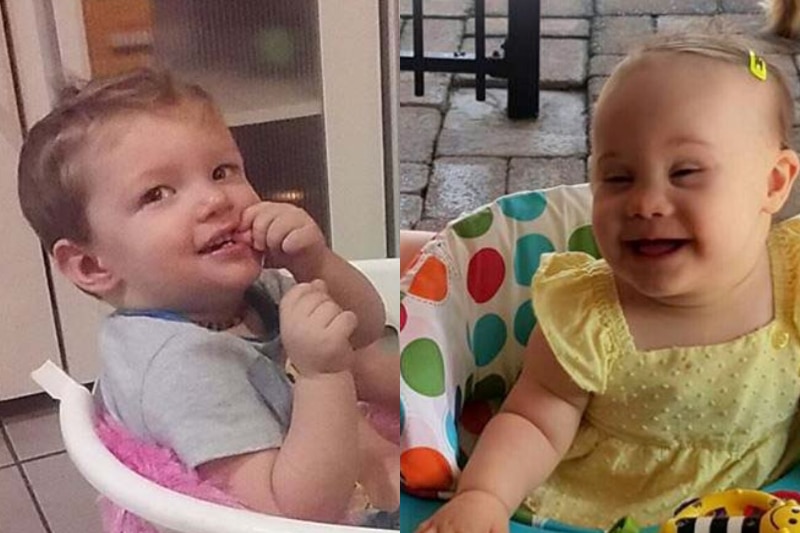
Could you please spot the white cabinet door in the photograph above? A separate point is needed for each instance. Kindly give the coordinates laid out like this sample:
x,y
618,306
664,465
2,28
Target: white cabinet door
x,y
27,330
352,97
37,62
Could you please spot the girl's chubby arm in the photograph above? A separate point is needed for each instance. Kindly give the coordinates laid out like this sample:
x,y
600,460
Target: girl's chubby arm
x,y
518,449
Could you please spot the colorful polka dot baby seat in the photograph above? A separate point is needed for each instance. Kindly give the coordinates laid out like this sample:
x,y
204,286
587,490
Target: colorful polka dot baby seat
x,y
465,317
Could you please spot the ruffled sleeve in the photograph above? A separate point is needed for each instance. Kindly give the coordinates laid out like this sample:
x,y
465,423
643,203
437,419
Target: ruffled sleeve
x,y
571,300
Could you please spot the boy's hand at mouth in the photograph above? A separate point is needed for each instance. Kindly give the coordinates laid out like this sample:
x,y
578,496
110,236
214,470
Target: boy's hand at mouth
x,y
287,235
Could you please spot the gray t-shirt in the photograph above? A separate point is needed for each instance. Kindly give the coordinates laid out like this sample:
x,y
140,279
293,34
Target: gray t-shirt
x,y
205,394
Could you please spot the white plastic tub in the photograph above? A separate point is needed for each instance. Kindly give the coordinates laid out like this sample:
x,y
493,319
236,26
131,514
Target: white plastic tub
x,y
168,510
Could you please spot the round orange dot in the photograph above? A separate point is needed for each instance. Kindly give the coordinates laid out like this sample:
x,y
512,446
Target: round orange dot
x,y
430,282
425,468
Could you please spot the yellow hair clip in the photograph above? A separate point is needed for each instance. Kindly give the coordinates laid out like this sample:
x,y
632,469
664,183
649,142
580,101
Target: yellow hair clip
x,y
758,67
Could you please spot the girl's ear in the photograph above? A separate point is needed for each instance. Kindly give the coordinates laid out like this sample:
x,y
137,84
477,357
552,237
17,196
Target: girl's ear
x,y
84,268
781,179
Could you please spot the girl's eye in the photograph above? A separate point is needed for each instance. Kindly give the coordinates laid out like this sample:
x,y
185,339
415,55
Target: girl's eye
x,y
617,179
683,172
156,194
222,172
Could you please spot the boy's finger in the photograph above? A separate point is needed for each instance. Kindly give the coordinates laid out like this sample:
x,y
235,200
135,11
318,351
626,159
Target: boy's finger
x,y
248,215
280,228
261,228
298,292
245,236
346,322
319,284
325,312
310,301
299,239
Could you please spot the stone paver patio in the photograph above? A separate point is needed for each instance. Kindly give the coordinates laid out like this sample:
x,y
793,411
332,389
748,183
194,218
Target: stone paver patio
x,y
457,153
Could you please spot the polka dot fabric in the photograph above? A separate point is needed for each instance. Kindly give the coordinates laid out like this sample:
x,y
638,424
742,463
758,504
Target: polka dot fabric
x,y
465,317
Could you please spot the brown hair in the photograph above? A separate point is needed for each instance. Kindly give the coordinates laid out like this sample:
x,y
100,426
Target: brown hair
x,y
51,173
732,49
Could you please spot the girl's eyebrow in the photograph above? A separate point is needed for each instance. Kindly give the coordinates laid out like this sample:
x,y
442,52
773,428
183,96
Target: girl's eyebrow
x,y
678,141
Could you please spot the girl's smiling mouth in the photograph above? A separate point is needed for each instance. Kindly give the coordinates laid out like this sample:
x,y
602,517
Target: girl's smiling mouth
x,y
655,248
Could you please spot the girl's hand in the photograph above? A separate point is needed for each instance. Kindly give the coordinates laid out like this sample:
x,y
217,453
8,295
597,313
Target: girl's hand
x,y
287,234
315,331
472,511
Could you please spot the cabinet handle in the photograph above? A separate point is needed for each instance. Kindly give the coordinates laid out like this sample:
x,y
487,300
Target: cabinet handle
x,y
131,42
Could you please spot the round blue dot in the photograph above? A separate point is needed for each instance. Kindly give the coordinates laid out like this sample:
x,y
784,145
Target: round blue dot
x,y
402,416
488,338
524,320
451,432
524,206
527,255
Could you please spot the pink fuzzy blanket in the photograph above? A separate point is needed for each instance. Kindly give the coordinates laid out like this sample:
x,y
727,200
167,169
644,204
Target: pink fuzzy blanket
x,y
154,462
162,466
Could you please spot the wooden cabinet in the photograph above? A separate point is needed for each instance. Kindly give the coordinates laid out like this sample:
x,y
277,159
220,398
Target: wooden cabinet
x,y
118,33
300,82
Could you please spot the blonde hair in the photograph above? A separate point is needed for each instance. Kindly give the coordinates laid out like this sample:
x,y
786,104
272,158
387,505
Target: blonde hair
x,y
731,49
52,167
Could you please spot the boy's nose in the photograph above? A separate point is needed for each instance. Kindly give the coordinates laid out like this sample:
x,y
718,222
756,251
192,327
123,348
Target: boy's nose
x,y
648,202
213,200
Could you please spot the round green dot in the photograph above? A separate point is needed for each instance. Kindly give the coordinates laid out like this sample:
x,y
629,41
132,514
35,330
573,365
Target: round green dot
x,y
488,338
474,225
422,367
582,240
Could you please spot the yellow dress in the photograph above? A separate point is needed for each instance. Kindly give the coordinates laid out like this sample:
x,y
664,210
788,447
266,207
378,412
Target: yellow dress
x,y
664,425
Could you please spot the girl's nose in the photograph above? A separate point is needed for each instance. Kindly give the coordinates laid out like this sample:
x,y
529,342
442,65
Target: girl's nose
x,y
648,202
212,201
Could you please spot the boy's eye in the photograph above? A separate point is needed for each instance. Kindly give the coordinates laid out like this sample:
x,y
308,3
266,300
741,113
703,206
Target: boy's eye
x,y
617,179
155,194
222,172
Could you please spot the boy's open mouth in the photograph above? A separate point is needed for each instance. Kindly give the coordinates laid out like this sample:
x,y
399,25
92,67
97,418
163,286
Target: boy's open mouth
x,y
656,247
217,244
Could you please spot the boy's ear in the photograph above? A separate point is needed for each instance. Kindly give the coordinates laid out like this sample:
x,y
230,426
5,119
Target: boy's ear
x,y
781,179
83,268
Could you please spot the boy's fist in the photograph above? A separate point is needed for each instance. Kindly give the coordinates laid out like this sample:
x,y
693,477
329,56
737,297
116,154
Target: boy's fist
x,y
286,233
315,330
